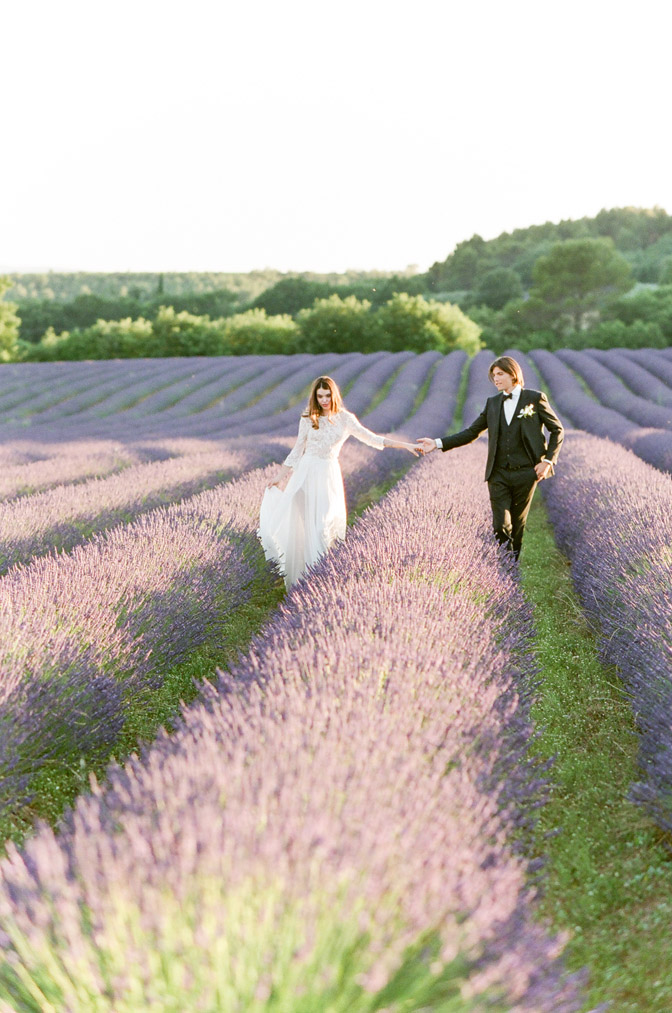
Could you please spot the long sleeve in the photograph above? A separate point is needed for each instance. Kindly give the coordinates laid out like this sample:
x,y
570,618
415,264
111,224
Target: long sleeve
x,y
361,433
467,435
554,427
299,447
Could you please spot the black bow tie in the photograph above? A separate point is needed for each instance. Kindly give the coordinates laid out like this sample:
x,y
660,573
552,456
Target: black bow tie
x,y
507,396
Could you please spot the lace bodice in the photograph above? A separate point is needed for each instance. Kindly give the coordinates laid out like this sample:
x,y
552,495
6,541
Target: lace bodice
x,y
327,441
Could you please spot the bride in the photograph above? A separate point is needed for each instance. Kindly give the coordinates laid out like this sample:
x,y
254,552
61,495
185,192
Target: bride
x,y
298,524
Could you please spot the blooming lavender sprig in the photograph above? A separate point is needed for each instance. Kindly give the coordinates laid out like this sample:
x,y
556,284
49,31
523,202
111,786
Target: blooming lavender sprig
x,y
349,786
612,514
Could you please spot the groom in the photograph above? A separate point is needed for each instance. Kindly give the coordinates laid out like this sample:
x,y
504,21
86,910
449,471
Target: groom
x,y
518,457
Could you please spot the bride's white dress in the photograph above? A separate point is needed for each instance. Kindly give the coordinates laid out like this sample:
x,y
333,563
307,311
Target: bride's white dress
x,y
298,525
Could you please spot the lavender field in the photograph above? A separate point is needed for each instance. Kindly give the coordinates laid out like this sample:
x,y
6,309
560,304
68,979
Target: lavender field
x,y
336,823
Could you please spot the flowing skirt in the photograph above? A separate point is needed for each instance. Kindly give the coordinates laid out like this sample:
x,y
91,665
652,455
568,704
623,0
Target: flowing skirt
x,y
298,524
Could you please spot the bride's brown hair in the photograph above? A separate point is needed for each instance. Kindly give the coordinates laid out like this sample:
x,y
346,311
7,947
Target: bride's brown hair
x,y
314,409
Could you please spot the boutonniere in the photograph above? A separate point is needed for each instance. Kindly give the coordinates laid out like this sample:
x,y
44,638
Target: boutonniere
x,y
527,412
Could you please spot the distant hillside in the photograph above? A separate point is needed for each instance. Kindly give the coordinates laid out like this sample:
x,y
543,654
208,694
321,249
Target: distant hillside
x,y
642,235
141,287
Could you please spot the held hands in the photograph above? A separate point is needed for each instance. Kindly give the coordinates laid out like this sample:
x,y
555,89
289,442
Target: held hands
x,y
426,445
543,470
414,448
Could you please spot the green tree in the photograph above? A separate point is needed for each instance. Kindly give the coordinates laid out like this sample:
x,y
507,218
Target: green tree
x,y
413,323
106,339
497,287
648,306
336,325
290,295
9,325
575,280
256,333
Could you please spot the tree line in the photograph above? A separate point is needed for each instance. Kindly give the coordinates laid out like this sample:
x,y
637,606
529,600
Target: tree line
x,y
334,324
596,282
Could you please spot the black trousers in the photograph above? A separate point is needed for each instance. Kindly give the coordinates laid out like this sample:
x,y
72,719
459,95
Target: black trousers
x,y
511,492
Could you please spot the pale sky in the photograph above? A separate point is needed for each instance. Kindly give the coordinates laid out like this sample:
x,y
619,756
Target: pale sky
x,y
304,135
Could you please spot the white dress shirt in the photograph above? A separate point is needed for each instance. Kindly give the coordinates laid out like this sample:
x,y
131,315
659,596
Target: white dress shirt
x,y
511,403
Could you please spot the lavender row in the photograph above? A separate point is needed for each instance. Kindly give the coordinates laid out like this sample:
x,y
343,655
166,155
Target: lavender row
x,y
612,515
236,384
276,380
83,462
479,387
399,399
613,393
436,412
578,408
25,382
333,812
652,361
85,634
259,389
52,395
69,514
144,395
115,408
640,379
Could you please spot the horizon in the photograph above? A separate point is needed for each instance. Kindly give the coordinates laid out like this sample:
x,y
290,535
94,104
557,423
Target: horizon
x,y
408,269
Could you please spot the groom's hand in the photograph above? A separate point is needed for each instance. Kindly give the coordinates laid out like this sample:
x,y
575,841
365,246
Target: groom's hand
x,y
426,445
543,470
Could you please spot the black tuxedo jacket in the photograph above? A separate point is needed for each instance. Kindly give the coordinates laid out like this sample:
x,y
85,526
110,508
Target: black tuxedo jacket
x,y
531,429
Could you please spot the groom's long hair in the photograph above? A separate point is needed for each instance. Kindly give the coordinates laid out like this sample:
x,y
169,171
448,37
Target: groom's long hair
x,y
510,366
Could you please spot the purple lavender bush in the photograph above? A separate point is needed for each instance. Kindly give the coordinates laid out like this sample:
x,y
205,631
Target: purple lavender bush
x,y
612,514
585,412
65,516
328,828
479,387
635,375
613,393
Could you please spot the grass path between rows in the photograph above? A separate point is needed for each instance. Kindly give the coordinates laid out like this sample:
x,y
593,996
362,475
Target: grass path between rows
x,y
608,880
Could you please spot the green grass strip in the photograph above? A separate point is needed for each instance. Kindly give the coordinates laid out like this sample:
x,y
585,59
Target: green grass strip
x,y
609,875
458,420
